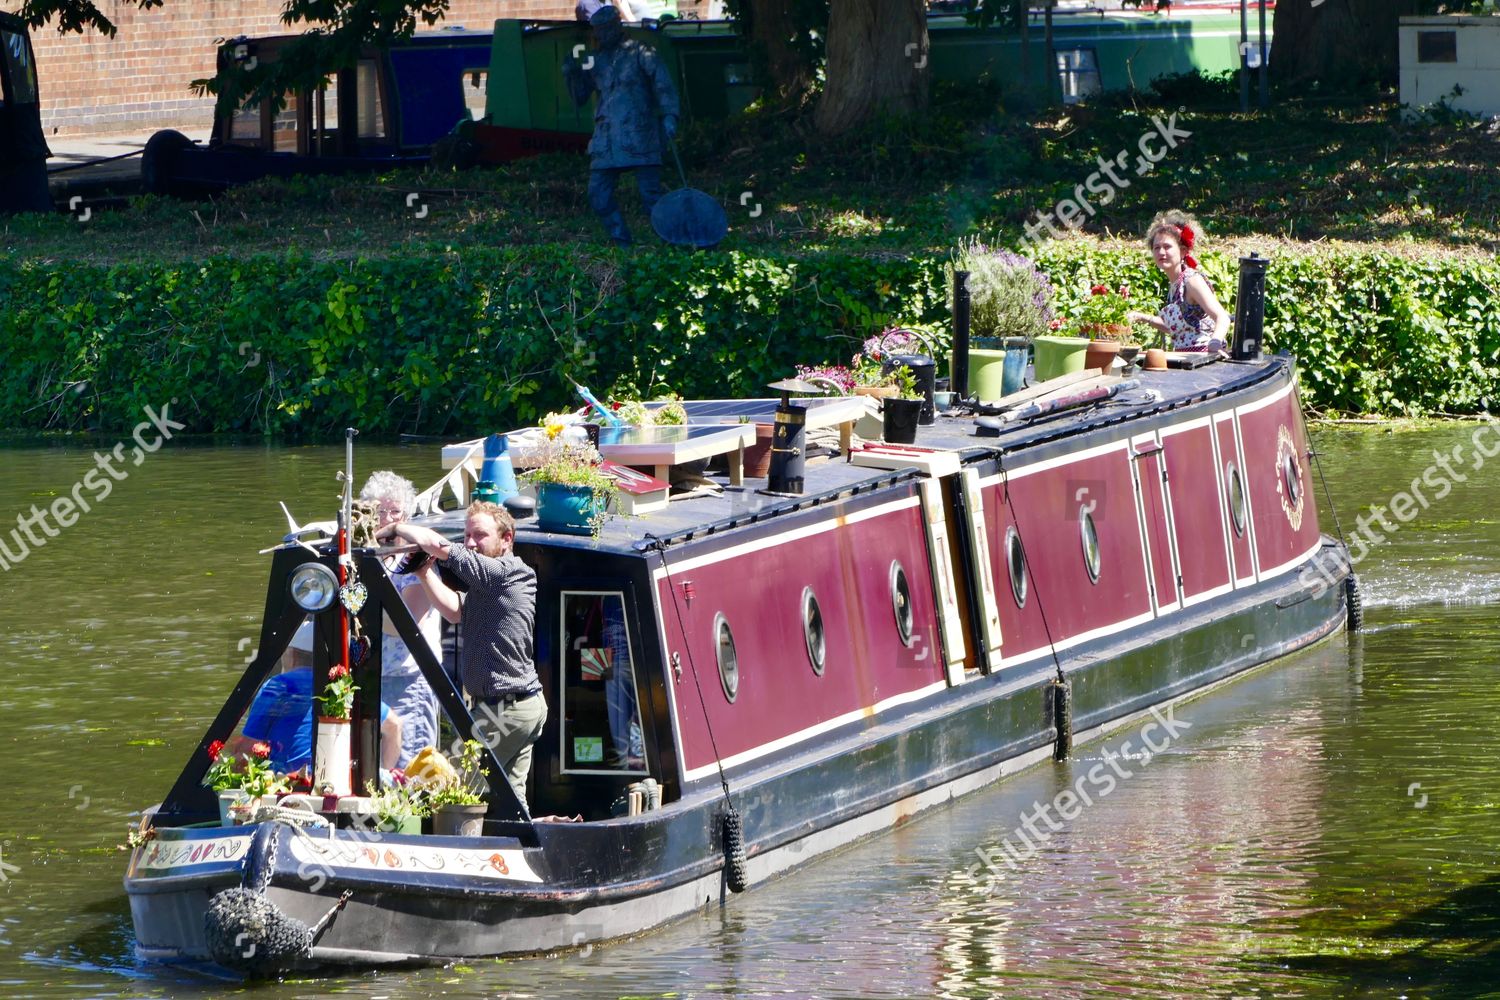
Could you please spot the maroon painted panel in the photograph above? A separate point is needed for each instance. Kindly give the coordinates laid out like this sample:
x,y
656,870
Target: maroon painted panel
x,y
760,593
1046,506
1197,510
1286,514
1229,454
1154,504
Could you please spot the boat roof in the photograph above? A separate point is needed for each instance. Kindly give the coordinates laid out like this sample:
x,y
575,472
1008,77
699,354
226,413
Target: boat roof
x,y
959,437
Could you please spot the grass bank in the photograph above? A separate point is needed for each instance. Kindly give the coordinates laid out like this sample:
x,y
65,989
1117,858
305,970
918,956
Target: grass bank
x,y
1301,172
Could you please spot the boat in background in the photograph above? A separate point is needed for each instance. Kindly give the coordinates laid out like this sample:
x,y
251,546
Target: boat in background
x,y
462,96
792,671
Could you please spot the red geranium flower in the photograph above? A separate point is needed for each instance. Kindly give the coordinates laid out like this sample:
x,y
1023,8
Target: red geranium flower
x,y
261,750
214,748
616,405
1187,237
337,671
1099,290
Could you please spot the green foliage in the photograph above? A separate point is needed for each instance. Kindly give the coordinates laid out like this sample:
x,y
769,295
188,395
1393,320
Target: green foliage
x,y
451,343
1373,331
1008,297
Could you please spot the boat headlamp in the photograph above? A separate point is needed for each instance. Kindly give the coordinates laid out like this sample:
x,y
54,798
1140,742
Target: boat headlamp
x,y
313,586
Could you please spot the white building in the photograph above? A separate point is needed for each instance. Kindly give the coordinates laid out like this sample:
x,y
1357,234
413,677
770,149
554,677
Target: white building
x,y
1441,53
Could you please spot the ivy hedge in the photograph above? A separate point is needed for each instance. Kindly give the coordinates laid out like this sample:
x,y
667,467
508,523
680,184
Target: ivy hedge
x,y
457,342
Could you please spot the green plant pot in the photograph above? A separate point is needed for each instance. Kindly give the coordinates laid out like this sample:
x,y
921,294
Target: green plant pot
x,y
1059,356
565,509
406,824
986,374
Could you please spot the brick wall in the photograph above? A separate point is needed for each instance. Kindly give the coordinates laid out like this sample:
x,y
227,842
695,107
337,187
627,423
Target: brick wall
x,y
138,81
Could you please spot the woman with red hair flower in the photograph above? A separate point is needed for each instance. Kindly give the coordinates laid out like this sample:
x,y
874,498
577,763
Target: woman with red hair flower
x,y
1192,317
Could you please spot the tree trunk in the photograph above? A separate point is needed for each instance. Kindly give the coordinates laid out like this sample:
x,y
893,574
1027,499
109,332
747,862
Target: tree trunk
x,y
788,68
1338,44
877,61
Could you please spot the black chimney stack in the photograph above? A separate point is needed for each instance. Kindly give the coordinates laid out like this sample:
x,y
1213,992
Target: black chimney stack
x,y
1249,310
960,374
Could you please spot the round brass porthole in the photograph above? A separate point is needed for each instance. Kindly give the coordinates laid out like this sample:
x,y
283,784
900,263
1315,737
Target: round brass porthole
x,y
901,602
1089,536
1236,499
1291,474
812,631
1015,561
729,664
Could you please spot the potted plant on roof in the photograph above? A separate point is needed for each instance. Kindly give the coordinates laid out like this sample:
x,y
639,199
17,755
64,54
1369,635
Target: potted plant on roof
x,y
1010,306
572,491
241,789
398,808
1104,317
903,408
454,789
331,769
224,780
869,378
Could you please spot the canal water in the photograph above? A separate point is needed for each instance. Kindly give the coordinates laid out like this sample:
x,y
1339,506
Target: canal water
x,y
1323,827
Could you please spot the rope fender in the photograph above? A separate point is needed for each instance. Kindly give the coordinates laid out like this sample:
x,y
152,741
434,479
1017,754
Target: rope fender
x,y
247,932
1354,603
733,831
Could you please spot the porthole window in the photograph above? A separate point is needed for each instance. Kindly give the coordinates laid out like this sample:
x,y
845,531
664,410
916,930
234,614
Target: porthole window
x,y
901,602
812,631
729,664
1015,559
1090,538
1291,473
1236,499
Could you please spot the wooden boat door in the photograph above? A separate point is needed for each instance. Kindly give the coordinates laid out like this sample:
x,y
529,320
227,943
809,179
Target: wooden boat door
x,y
1154,511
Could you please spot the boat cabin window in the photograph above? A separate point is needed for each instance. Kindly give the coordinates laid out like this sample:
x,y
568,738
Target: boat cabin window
x,y
284,126
245,126
1089,536
729,661
1015,561
473,87
371,104
901,602
19,70
812,631
1236,499
325,118
1291,475
601,714
1078,72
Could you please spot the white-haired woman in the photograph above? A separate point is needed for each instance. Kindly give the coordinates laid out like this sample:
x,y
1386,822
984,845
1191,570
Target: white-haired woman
x,y
402,686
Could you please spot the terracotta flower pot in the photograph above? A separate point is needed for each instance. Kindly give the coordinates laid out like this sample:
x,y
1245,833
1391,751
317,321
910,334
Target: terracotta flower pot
x,y
758,455
1101,354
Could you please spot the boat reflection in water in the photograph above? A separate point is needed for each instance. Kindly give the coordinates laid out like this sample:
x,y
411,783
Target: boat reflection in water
x,y
811,669
1185,869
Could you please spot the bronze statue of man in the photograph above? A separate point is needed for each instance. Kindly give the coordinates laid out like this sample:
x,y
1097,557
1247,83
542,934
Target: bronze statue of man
x,y
637,106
